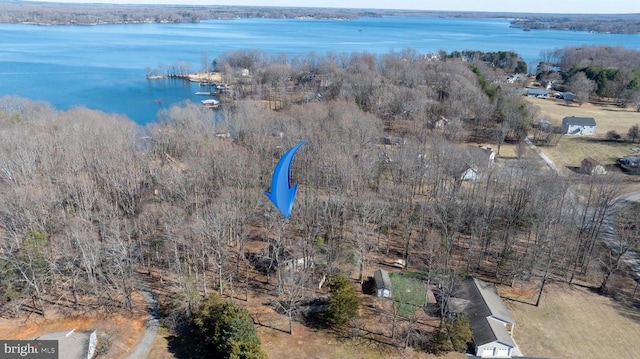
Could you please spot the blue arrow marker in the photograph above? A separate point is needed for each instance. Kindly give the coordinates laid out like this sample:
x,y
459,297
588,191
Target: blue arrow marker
x,y
281,194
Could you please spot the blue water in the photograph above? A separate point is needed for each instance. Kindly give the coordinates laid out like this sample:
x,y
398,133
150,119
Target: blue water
x,y
103,67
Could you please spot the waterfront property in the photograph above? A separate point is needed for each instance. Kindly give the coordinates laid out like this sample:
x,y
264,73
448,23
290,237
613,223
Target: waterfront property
x,y
211,103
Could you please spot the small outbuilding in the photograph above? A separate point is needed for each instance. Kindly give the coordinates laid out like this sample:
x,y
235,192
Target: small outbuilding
x,y
591,166
383,283
579,125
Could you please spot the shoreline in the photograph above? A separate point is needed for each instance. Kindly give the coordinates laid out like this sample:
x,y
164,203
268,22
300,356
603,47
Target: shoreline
x,y
212,77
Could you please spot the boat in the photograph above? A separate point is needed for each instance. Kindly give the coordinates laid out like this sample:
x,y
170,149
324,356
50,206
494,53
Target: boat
x,y
211,103
205,84
204,93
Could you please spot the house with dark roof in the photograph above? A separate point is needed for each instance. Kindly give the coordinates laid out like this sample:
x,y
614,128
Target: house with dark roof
x,y
578,125
630,164
74,345
491,323
383,283
539,93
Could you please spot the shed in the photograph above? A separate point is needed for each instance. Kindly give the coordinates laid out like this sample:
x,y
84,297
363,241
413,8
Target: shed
x,y
578,125
383,283
592,167
74,345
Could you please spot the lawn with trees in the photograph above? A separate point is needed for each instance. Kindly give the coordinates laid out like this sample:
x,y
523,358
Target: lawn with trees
x,y
94,208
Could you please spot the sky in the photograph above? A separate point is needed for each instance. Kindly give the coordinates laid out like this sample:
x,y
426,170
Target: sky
x,y
557,7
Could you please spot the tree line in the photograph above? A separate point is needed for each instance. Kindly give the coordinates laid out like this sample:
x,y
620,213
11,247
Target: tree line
x,y
89,201
598,71
12,12
602,23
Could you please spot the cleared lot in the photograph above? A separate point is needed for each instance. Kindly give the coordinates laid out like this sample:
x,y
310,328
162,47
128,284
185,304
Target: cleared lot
x,y
574,323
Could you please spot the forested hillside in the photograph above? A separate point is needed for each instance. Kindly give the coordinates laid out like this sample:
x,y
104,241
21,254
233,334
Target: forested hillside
x,y
89,200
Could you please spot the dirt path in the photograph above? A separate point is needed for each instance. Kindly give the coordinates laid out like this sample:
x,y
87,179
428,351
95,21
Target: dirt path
x,y
152,323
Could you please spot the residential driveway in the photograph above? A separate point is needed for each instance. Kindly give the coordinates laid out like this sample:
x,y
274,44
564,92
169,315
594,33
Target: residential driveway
x,y
544,157
608,232
153,321
609,235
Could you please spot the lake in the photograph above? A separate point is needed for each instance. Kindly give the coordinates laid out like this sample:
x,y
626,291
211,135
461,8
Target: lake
x,y
103,67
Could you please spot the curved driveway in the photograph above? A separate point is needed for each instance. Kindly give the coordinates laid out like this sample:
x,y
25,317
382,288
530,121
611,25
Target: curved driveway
x,y
608,232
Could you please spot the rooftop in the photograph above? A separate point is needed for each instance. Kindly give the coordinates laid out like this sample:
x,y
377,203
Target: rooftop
x,y
582,121
382,279
486,311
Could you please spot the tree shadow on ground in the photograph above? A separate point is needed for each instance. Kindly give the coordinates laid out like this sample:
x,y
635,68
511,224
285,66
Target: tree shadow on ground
x,y
185,347
369,286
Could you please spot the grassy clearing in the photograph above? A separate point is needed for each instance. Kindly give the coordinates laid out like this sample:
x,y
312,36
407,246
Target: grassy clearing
x,y
607,117
408,292
575,323
571,150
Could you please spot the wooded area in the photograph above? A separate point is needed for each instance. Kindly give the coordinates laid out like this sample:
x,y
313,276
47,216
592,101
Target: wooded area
x,y
89,201
603,23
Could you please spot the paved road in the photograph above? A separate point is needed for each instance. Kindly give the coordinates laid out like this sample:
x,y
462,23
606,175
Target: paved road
x,y
153,321
610,237
608,232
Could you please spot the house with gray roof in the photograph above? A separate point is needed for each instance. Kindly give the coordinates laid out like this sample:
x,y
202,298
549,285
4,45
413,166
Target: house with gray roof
x,y
383,283
491,323
631,164
578,125
74,345
539,93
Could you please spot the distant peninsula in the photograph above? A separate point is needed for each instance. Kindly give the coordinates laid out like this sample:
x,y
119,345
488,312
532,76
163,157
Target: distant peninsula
x,y
21,12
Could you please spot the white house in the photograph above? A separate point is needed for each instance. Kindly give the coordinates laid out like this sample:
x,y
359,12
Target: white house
x,y
491,323
469,174
383,283
579,125
476,160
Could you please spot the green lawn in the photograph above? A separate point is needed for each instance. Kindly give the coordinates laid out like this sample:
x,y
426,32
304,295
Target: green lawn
x,y
408,291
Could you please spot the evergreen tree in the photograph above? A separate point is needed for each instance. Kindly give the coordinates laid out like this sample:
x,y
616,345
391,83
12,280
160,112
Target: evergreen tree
x,y
227,330
343,301
452,335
